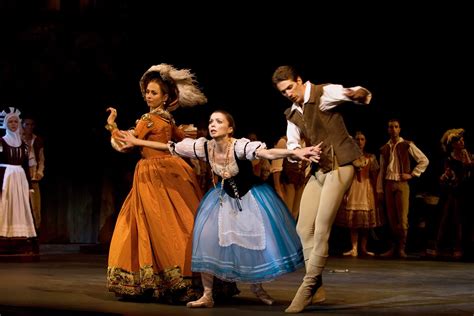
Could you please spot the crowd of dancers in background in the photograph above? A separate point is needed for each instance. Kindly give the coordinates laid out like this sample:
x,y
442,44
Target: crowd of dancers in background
x,y
208,210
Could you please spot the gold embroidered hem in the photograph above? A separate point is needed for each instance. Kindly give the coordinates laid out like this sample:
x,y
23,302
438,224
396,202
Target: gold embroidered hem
x,y
168,285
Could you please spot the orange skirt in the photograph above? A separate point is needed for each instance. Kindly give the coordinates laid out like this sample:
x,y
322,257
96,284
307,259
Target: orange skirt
x,y
150,251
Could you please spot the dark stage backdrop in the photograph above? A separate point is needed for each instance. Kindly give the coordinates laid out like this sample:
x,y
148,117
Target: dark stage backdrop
x,y
65,65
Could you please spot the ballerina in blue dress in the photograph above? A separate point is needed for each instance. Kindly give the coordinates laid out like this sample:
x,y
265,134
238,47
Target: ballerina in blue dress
x,y
243,231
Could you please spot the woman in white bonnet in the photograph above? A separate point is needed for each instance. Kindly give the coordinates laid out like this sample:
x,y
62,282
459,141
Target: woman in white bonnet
x,y
17,229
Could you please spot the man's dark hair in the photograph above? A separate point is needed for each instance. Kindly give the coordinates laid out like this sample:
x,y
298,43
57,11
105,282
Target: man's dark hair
x,y
283,73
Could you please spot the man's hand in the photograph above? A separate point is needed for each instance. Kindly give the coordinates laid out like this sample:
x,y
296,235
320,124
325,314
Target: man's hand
x,y
360,95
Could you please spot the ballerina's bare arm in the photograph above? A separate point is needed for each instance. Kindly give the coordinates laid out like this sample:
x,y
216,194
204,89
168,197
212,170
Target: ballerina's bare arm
x,y
311,153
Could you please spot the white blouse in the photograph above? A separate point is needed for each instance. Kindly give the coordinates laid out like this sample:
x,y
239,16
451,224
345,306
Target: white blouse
x,y
194,148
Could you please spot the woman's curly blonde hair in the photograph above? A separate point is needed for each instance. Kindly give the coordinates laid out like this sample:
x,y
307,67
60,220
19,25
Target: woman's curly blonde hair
x,y
449,136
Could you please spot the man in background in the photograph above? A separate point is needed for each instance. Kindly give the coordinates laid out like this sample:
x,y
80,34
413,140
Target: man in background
x,y
36,164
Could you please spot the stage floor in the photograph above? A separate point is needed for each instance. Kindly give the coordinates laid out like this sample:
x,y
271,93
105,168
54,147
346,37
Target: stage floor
x,y
67,282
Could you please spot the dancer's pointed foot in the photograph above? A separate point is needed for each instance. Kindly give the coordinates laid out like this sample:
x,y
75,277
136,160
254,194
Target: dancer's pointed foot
x,y
352,252
204,301
368,253
402,254
258,290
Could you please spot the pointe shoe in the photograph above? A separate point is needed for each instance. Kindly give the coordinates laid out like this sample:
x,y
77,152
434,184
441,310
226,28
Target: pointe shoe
x,y
258,290
204,301
368,253
352,252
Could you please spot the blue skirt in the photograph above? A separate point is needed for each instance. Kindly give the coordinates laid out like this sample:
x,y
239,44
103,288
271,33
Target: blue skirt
x,y
280,253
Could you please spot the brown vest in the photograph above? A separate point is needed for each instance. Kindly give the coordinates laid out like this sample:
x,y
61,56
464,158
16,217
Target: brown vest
x,y
402,155
328,127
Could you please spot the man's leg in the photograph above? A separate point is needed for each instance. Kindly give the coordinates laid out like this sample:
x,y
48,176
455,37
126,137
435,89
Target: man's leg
x,y
308,211
391,216
335,184
402,208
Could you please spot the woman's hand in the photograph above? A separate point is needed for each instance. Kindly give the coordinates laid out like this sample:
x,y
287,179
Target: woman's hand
x,y
127,138
311,153
360,95
112,115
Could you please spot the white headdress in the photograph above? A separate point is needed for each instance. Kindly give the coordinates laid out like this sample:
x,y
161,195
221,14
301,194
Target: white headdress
x,y
12,138
187,91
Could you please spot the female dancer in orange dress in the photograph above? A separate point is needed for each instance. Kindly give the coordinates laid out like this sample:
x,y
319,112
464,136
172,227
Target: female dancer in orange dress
x,y
150,251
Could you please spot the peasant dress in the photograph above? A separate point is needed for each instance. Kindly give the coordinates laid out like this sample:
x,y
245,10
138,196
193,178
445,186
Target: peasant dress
x,y
243,230
16,219
17,226
150,250
358,209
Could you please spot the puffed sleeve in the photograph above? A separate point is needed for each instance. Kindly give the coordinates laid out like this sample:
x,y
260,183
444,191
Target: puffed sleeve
x,y
245,149
374,165
190,148
178,133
